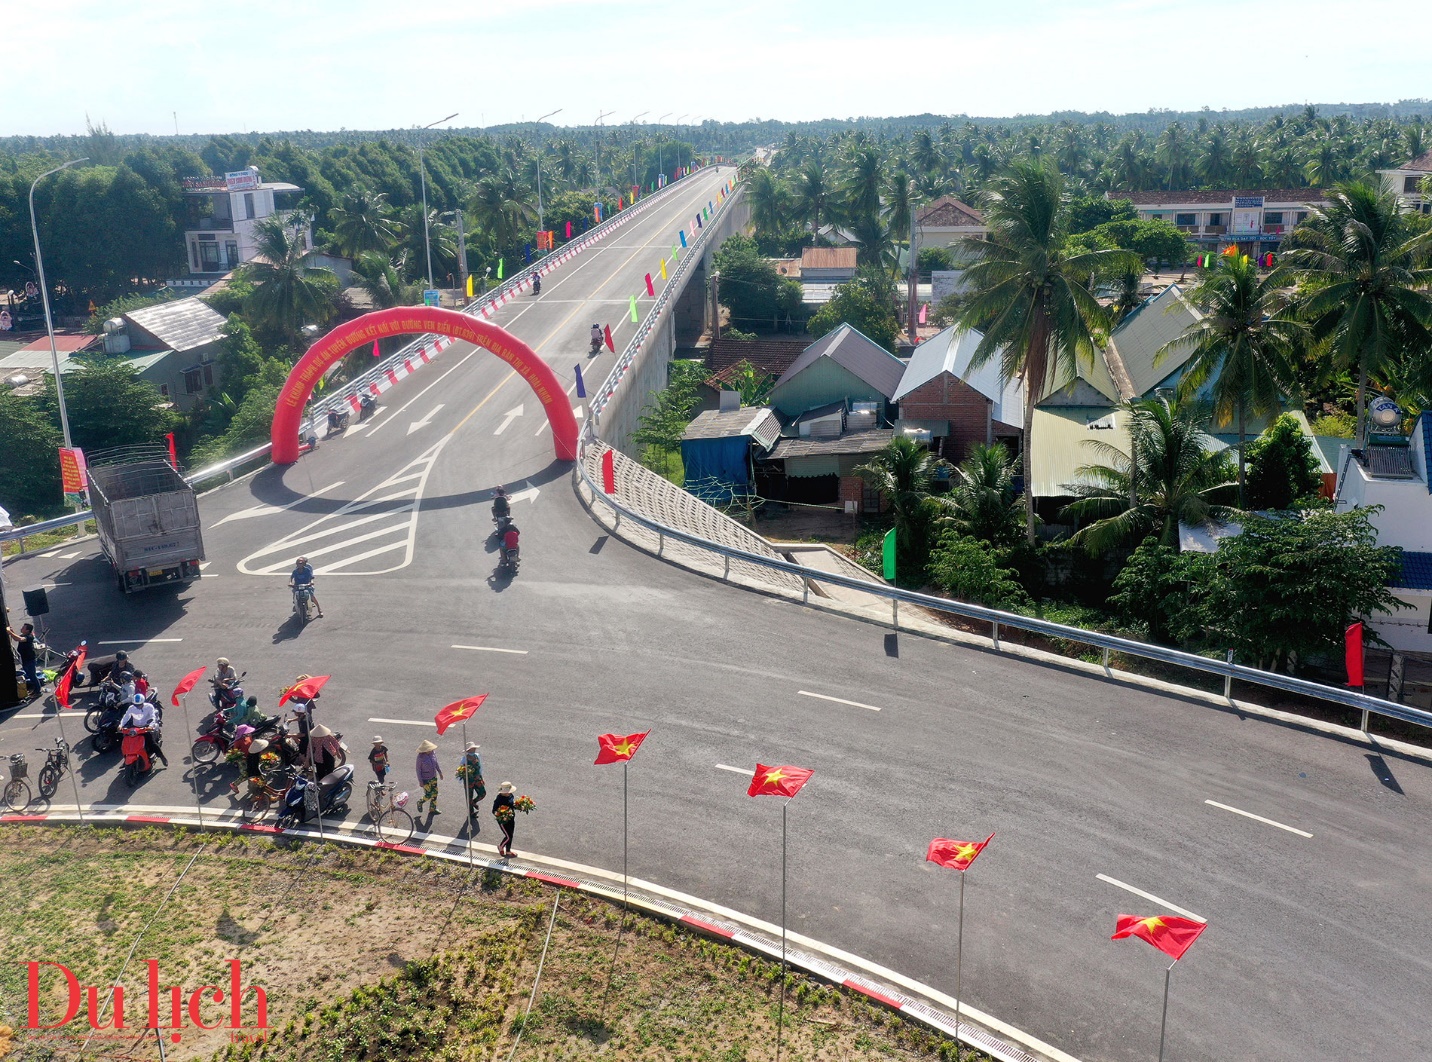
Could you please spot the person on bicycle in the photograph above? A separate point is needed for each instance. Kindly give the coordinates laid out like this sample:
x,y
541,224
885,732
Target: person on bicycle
x,y
303,576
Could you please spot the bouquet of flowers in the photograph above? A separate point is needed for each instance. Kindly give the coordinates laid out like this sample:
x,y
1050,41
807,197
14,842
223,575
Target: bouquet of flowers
x,y
234,756
270,762
502,813
524,804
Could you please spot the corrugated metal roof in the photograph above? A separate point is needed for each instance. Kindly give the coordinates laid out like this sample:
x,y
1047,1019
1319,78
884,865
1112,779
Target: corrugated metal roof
x,y
756,422
828,258
1136,343
858,355
182,324
856,442
1057,445
951,351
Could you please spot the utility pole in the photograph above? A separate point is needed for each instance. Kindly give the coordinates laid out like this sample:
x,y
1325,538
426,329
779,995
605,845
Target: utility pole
x,y
45,299
914,273
540,227
716,305
599,126
423,181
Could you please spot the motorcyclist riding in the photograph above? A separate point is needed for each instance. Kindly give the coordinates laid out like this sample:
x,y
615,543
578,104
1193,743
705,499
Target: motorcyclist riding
x,y
536,284
500,504
143,715
303,576
596,338
509,543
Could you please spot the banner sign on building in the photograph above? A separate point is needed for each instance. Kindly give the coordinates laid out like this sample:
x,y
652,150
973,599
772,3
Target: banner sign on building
x,y
1247,215
242,180
72,474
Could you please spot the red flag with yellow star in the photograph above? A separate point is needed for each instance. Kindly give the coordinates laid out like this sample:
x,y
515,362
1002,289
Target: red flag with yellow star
x,y
1170,934
615,748
457,712
957,855
304,690
778,781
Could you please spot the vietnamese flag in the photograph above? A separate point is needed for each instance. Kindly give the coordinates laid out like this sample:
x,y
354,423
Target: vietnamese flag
x,y
956,855
1353,654
617,748
607,335
458,711
778,781
1171,935
186,684
62,688
305,690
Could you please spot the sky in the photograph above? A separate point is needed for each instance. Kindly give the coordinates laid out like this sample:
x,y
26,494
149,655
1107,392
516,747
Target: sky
x,y
364,64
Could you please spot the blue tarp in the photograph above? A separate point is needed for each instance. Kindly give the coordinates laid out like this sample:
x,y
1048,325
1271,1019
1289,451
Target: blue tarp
x,y
717,468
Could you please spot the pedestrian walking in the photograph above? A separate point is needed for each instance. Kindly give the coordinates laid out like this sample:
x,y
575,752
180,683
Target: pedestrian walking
x,y
25,646
429,771
324,749
378,758
504,810
470,771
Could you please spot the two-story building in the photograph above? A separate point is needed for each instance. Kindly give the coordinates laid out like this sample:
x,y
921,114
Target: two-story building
x,y
1256,221
225,238
1412,183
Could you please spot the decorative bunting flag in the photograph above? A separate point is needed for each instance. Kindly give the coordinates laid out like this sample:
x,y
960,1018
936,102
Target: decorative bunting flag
x,y
682,234
607,336
778,781
186,684
581,384
66,683
609,469
501,267
1170,934
924,309
650,289
1353,654
698,221
956,855
663,270
376,352
620,205
569,230
457,712
469,285
305,690
634,316
617,748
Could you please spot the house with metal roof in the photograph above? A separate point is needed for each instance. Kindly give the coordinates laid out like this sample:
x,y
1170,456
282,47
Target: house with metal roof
x,y
178,342
947,221
947,401
1411,182
717,449
842,365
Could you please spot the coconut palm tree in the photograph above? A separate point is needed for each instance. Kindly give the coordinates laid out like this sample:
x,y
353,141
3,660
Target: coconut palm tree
x,y
863,181
413,255
905,472
812,194
363,222
382,279
1243,345
982,502
1028,295
1169,478
1366,286
288,292
767,197
502,207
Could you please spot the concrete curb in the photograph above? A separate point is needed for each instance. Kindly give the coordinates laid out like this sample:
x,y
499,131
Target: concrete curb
x,y
909,997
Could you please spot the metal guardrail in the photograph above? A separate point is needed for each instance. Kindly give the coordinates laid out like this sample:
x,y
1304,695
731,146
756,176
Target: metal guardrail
x,y
319,411
1109,643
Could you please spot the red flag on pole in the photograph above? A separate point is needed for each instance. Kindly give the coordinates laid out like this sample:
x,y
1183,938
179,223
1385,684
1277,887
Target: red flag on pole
x,y
607,335
376,352
305,690
62,690
457,712
186,684
609,472
956,855
1171,935
615,748
173,453
569,230
778,781
649,289
1353,639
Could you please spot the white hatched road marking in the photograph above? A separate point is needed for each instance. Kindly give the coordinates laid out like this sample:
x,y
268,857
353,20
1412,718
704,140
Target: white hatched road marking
x,y
269,510
1150,897
396,509
736,770
837,700
491,649
1257,818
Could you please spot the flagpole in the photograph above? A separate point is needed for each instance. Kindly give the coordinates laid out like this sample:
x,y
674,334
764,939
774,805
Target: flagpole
x,y
193,767
781,1007
467,793
74,780
959,965
1163,1021
624,840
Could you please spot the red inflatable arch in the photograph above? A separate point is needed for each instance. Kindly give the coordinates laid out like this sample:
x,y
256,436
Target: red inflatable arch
x,y
409,320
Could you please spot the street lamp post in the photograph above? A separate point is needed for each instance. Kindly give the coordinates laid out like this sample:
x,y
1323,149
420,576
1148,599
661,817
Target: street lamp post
x,y
659,171
633,145
423,181
599,126
45,299
539,173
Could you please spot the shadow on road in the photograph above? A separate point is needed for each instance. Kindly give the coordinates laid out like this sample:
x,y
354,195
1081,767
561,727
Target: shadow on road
x,y
289,629
1383,772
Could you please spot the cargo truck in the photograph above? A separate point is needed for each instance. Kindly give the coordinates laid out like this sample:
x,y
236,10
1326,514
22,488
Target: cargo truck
x,y
148,517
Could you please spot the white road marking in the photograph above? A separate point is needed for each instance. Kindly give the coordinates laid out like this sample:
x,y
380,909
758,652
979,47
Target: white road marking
x,y
507,418
70,556
31,715
399,722
269,510
736,770
397,509
403,408
1257,818
204,564
141,641
491,649
415,425
528,493
837,700
47,556
1150,897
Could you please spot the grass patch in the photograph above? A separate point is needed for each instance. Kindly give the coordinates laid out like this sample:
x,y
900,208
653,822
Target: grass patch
x,y
367,955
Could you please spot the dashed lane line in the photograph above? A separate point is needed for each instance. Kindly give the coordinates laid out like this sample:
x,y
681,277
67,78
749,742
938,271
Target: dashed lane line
x,y
399,722
837,700
491,649
1257,818
736,770
1150,897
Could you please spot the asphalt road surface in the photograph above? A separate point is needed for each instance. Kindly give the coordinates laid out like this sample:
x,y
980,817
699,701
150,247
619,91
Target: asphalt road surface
x,y
1317,945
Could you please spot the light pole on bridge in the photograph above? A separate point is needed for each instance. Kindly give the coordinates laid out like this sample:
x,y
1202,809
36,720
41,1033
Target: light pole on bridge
x,y
45,300
423,181
539,172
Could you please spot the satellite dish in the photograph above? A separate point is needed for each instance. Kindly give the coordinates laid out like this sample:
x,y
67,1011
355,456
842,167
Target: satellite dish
x,y
1384,412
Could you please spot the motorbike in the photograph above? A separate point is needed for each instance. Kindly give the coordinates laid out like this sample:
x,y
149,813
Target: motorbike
x,y
138,764
536,284
224,698
509,560
102,721
367,406
337,422
324,797
217,738
596,346
302,599
502,521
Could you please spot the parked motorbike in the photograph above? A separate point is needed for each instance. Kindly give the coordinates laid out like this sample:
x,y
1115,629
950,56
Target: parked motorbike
x,y
367,406
307,798
138,764
337,422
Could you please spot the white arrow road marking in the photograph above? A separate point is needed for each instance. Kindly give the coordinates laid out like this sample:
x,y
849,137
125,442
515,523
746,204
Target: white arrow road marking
x,y
269,510
529,493
507,418
415,425
389,510
377,425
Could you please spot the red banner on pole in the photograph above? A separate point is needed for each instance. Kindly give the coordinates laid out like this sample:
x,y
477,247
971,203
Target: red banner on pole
x,y
609,472
186,684
1353,639
72,469
173,452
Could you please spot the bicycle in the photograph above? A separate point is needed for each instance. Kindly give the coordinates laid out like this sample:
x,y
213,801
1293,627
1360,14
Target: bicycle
x,y
388,814
57,761
17,787
262,796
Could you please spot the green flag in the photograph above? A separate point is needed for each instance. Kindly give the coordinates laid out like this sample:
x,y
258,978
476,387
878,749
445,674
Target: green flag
x,y
888,556
501,263
634,317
